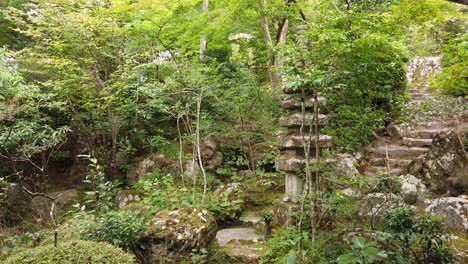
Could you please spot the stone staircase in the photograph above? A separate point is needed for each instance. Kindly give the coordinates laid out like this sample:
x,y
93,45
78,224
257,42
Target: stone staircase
x,y
401,144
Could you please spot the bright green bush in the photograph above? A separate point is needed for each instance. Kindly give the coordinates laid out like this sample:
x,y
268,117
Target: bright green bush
x,y
121,228
75,252
454,77
416,239
386,183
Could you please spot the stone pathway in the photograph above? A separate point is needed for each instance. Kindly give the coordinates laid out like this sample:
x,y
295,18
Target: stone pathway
x,y
241,245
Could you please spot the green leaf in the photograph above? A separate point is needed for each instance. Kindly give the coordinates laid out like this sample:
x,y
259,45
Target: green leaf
x,y
359,241
291,258
348,258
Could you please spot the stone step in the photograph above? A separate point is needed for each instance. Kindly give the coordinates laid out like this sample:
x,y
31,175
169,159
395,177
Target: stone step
x,y
295,104
374,170
241,245
432,125
286,140
425,133
295,120
420,129
397,151
250,220
393,163
236,236
417,142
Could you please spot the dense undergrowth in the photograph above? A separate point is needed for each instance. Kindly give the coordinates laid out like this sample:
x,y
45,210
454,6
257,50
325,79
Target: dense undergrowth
x,y
89,88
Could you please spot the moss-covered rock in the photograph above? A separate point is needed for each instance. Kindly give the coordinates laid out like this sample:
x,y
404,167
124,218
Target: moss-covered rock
x,y
74,252
184,228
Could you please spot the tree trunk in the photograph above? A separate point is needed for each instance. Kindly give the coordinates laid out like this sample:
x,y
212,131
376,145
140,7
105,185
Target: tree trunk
x,y
203,40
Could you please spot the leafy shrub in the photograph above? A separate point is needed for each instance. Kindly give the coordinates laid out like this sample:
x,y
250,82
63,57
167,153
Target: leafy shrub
x,y
75,252
282,247
100,192
81,226
121,229
362,252
164,192
417,239
386,183
453,79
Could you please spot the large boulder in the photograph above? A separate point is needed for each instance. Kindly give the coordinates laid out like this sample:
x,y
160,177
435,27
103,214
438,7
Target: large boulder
x,y
15,203
374,205
208,148
445,167
413,189
346,165
181,229
42,205
454,208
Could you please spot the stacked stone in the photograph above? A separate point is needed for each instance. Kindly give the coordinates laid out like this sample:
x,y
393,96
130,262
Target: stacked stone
x,y
292,157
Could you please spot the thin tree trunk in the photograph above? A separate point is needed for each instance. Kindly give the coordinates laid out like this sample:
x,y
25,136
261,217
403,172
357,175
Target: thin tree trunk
x,y
203,40
200,161
181,151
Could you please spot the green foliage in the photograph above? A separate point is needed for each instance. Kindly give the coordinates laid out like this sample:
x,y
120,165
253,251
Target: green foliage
x,y
199,256
362,252
225,207
100,193
165,192
454,77
440,107
282,247
420,239
120,228
76,252
267,217
400,220
386,183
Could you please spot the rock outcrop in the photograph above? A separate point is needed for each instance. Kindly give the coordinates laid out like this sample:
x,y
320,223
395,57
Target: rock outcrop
x,y
454,208
445,168
184,228
374,205
413,189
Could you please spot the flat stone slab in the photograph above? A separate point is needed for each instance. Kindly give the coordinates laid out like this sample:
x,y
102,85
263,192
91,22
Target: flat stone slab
x,y
237,236
374,170
417,142
294,104
426,133
245,255
297,141
398,151
294,164
393,163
